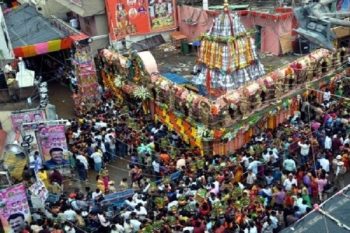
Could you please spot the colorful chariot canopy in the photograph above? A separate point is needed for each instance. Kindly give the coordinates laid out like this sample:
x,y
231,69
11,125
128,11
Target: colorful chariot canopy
x,y
227,58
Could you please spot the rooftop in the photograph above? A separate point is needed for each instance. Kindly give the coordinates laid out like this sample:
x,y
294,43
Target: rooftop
x,y
172,60
27,27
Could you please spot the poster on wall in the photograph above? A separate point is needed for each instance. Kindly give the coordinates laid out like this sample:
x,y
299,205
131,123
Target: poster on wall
x,y
139,17
86,78
53,144
161,14
14,208
27,117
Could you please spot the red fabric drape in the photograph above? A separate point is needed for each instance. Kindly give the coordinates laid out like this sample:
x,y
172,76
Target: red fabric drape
x,y
208,81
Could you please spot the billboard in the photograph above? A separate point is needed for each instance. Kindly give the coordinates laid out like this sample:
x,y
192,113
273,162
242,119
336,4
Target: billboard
x,y
139,17
52,138
27,117
14,208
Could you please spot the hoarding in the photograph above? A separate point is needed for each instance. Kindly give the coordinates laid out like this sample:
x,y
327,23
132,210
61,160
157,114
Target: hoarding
x,y
27,117
139,17
53,144
14,208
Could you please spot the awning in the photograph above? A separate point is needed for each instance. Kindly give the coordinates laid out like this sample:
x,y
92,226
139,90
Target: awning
x,y
31,34
42,48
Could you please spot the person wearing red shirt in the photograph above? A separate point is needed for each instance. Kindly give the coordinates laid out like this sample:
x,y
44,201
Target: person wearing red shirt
x,y
219,228
165,158
204,210
199,227
288,201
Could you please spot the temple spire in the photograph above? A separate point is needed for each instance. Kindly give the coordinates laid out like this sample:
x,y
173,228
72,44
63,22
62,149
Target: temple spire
x,y
227,58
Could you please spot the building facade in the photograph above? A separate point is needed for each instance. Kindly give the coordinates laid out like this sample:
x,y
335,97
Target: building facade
x,y
273,31
90,16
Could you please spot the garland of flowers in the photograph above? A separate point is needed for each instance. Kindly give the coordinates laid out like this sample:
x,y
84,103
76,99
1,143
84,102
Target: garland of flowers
x,y
142,93
224,39
118,81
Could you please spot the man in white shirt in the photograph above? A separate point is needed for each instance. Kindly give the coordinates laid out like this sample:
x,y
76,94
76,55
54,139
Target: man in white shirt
x,y
273,154
139,199
289,165
180,163
97,157
136,224
327,143
156,167
245,161
289,182
131,203
326,95
117,228
253,165
266,156
103,221
140,210
274,220
324,163
97,194
128,227
304,148
83,160
251,177
304,151
100,124
35,161
76,134
302,207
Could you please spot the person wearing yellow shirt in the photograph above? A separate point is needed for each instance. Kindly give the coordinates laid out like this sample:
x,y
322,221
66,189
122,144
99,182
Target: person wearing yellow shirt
x,y
44,177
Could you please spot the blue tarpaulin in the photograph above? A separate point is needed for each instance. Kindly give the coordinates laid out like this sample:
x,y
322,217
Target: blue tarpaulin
x,y
118,198
343,5
173,177
175,78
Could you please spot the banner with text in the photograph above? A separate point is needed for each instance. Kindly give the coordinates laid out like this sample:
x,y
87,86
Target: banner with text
x,y
14,208
52,138
27,117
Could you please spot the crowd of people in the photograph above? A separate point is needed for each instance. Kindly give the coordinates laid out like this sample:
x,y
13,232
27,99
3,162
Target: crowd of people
x,y
270,183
